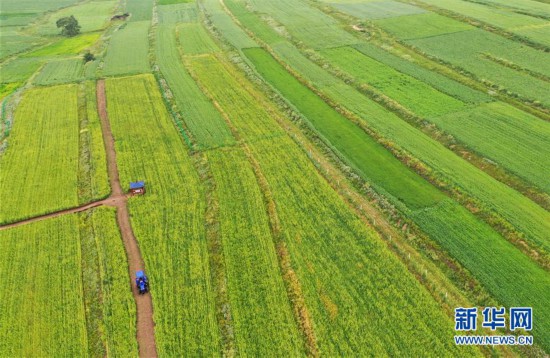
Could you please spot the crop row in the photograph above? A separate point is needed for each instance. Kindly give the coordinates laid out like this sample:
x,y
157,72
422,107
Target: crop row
x,y
110,307
469,55
261,315
177,13
235,35
140,10
41,279
19,69
195,107
377,10
94,182
413,94
434,79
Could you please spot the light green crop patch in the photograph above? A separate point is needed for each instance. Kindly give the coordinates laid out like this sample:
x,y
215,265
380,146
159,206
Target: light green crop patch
x,y
7,88
409,92
170,2
177,13
194,40
378,9
57,72
128,49
68,46
421,25
19,69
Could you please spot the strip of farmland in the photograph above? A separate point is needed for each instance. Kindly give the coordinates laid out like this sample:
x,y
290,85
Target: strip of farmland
x,y
334,256
261,315
128,50
190,100
261,312
169,221
40,166
45,303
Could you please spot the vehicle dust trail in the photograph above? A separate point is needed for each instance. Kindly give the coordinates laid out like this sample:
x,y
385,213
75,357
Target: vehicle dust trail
x,y
144,304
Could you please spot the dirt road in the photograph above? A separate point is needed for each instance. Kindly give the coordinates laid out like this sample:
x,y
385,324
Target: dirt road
x,y
54,214
144,305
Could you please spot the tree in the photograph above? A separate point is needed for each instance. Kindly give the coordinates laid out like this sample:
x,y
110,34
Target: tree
x,y
70,26
88,56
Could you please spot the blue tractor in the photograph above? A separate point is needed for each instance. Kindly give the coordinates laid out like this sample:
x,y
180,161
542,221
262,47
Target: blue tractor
x,y
142,283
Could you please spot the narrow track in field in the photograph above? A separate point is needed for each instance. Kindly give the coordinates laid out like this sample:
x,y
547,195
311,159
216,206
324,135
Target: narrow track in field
x,y
110,201
144,304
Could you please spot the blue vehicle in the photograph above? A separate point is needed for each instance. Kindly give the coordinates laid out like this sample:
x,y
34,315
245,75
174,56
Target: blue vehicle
x,y
142,283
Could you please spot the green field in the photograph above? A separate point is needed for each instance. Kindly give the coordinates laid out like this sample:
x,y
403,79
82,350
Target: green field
x,y
34,181
369,157
13,42
421,25
336,134
324,178
140,10
177,13
40,266
7,88
312,26
128,50
199,114
514,139
491,137
94,183
43,265
431,78
33,7
19,69
169,2
260,308
223,22
409,92
534,28
194,40
521,212
110,309
377,9
63,71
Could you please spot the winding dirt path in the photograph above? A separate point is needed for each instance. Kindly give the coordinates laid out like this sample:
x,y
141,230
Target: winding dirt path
x,y
144,304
